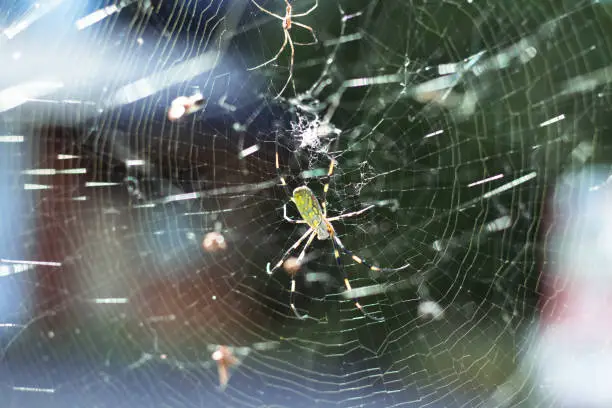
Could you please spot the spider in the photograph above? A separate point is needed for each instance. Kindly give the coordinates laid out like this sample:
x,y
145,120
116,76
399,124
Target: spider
x,y
314,214
287,22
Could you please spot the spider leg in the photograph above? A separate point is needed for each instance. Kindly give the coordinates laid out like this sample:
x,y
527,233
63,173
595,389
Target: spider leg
x,y
275,57
310,10
316,40
288,37
348,285
287,252
330,171
303,253
286,217
278,172
363,261
291,295
266,11
351,214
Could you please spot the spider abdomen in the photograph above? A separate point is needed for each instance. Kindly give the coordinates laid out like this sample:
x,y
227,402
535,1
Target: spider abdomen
x,y
310,210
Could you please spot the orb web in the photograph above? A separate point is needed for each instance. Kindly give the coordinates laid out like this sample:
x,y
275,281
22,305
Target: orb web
x,y
143,201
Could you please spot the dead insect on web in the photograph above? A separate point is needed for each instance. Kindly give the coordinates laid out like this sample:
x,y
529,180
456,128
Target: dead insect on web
x,y
225,360
185,105
292,265
214,242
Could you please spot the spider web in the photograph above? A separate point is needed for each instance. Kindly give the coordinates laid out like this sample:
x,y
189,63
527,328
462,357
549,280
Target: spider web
x,y
134,246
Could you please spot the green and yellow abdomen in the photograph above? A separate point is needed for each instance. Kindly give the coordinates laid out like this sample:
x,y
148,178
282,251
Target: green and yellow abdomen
x,y
311,211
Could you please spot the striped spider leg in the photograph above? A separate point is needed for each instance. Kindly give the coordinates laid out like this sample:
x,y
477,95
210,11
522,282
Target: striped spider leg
x,y
314,214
